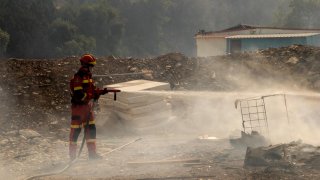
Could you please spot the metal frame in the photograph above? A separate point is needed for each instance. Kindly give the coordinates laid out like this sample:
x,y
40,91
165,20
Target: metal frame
x,y
254,114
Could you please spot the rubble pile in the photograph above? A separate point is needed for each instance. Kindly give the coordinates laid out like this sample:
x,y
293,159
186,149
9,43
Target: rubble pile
x,y
27,150
294,67
302,61
33,91
296,159
169,68
294,153
249,140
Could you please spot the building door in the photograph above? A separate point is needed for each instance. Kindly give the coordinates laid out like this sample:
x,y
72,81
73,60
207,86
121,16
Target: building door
x,y
235,46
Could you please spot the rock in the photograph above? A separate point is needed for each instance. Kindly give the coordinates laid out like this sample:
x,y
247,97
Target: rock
x,y
35,140
293,60
250,140
254,157
213,76
4,142
28,133
276,152
12,133
314,162
283,156
111,57
133,69
22,137
263,156
42,142
54,122
179,64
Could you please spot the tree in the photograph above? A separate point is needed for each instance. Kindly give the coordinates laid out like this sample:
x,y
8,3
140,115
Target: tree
x,y
4,40
156,27
95,21
144,23
301,14
60,32
79,45
27,23
41,28
184,24
101,22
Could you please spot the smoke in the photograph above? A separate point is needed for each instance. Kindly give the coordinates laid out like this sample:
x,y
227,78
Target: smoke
x,y
209,113
214,114
303,122
182,23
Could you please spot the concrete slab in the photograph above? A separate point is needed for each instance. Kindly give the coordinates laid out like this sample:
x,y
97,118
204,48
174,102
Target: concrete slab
x,y
136,108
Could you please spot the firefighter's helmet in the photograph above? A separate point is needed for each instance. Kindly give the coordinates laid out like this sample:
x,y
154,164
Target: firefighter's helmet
x,y
88,59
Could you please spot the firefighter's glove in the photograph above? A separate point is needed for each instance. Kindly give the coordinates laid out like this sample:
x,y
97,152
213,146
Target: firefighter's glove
x,y
97,94
104,91
100,92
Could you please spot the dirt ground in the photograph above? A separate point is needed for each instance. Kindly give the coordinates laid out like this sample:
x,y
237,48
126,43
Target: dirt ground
x,y
160,157
120,165
35,115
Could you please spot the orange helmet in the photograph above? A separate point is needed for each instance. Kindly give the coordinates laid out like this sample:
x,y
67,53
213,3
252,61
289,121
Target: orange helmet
x,y
88,59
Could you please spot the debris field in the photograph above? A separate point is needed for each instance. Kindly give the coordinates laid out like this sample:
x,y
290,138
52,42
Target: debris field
x,y
35,112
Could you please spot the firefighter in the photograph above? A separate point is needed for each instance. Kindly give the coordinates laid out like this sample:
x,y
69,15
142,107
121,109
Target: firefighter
x,y
83,93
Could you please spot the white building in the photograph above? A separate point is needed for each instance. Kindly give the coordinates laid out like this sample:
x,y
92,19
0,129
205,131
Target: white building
x,y
250,38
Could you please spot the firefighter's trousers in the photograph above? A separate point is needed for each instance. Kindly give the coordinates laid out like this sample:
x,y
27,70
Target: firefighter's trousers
x,y
80,114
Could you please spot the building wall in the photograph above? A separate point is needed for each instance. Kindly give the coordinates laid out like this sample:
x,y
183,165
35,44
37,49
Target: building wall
x,y
216,44
264,43
256,44
211,47
314,40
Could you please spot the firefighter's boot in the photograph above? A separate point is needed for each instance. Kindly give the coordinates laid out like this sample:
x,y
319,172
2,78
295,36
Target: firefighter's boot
x,y
92,151
95,156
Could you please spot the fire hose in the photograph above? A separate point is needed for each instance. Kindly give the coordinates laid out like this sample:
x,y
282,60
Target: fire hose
x,y
75,160
81,147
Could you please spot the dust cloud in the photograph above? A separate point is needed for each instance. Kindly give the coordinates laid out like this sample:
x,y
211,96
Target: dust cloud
x,y
303,118
214,114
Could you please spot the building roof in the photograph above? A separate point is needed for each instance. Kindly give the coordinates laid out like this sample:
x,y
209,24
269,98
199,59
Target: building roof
x,y
241,27
251,36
